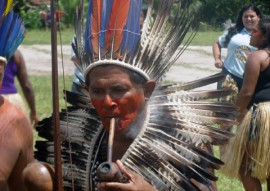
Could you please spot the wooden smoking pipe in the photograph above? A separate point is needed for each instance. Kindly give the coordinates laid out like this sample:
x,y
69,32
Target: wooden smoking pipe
x,y
108,171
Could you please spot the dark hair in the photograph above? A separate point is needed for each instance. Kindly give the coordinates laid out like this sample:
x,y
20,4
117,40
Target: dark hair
x,y
136,78
264,27
239,22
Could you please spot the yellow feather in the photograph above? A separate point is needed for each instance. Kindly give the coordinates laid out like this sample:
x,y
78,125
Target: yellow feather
x,y
8,7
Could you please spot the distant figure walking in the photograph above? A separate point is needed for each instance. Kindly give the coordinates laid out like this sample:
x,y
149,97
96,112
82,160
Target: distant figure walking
x,y
43,19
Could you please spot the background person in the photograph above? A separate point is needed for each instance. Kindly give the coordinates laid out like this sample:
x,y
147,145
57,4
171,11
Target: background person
x,y
249,151
43,17
16,139
16,68
16,146
236,40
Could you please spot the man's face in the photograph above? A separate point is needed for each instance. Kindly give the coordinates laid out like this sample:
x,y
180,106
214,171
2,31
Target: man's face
x,y
114,95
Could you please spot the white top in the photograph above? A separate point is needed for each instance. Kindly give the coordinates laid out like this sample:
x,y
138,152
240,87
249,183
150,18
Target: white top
x,y
237,51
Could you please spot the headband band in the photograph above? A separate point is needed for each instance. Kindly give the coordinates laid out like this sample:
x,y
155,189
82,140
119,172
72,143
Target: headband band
x,y
3,59
115,63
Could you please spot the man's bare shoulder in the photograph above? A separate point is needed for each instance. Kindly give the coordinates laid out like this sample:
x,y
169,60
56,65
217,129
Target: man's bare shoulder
x,y
11,117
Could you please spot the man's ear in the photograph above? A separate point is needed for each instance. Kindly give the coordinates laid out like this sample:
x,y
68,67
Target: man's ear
x,y
149,87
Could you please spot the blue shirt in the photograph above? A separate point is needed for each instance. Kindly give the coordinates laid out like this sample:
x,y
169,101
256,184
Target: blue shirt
x,y
238,50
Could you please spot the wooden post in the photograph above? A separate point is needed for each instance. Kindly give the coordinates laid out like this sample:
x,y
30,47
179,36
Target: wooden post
x,y
56,123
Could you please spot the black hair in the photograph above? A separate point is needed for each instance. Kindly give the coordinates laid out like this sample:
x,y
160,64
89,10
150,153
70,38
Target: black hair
x,y
136,78
239,22
264,27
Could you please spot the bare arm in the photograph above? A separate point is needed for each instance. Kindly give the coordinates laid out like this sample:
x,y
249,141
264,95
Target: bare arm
x,y
251,75
26,86
16,146
217,54
9,154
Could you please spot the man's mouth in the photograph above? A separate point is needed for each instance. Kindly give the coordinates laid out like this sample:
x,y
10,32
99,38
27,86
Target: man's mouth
x,y
114,116
117,118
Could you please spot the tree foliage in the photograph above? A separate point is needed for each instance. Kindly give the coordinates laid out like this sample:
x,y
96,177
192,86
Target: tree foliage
x,y
214,12
217,12
68,7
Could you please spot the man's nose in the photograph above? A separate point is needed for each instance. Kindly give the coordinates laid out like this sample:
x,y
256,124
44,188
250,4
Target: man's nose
x,y
109,102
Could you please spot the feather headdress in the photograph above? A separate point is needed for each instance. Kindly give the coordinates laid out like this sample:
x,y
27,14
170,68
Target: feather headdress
x,y
12,32
166,152
113,35
179,120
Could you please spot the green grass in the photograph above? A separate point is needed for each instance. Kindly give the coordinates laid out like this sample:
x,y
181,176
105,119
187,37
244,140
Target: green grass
x,y
44,37
42,86
205,38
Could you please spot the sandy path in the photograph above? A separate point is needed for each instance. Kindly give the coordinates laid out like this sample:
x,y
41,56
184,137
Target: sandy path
x,y
196,62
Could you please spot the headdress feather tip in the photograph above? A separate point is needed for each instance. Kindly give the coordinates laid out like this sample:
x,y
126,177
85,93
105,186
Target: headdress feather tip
x,y
12,32
5,7
113,32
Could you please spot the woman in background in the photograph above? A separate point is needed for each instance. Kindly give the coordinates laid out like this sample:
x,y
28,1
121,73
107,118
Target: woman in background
x,y
236,40
249,150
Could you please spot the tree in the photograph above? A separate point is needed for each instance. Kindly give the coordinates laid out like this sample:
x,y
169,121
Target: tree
x,y
215,13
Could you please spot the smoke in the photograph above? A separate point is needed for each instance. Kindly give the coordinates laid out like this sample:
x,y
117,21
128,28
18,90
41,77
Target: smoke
x,y
135,127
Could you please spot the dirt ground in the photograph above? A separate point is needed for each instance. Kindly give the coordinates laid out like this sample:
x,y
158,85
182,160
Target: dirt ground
x,y
195,63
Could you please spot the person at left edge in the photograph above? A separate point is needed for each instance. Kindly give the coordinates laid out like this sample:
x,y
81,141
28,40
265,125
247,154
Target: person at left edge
x,y
16,67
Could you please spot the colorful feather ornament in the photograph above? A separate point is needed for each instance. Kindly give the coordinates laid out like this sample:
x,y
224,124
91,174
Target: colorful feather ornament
x,y
179,120
5,7
110,28
12,32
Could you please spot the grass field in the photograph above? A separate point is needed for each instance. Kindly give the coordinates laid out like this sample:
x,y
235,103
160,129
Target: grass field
x,y
43,93
65,36
44,37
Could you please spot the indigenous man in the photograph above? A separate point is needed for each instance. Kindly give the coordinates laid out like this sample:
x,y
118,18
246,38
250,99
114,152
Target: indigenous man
x,y
158,129
16,145
119,93
16,140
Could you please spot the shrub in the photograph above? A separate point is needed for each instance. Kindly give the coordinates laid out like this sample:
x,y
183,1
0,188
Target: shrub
x,y
31,19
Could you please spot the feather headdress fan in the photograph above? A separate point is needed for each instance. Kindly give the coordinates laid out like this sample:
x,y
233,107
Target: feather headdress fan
x,y
12,31
113,35
167,151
